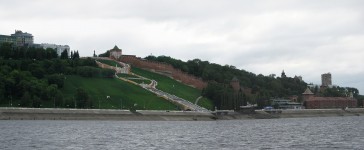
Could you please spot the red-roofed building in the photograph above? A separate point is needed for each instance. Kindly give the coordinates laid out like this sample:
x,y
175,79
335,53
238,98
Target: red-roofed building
x,y
313,102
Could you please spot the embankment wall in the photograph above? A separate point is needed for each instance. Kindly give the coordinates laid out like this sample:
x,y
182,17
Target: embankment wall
x,y
98,114
149,115
294,113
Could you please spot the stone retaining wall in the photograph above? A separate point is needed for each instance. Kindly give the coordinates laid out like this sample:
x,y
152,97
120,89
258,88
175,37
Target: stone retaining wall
x,y
102,114
98,114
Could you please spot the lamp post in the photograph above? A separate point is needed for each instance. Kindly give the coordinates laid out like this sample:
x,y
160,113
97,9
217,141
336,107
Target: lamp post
x,y
75,102
121,103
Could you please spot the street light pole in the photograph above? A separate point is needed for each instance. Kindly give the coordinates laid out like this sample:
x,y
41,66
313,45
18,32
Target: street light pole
x,y
121,103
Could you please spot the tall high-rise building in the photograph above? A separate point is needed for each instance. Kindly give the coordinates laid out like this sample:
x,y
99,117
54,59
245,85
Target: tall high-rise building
x,y
19,38
326,79
22,38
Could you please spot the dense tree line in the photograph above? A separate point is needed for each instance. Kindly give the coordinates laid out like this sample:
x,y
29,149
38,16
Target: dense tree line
x,y
335,91
262,87
106,54
8,51
32,77
224,97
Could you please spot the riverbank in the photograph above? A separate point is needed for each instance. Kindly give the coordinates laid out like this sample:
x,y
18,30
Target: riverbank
x,y
294,113
149,115
100,114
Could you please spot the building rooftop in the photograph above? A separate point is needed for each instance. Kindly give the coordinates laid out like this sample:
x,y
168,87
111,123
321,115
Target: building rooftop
x,y
21,33
116,48
307,92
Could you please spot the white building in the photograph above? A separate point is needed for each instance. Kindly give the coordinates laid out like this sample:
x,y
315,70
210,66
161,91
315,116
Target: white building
x,y
58,48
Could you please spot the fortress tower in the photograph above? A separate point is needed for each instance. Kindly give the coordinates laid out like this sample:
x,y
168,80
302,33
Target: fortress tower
x,y
235,84
115,53
307,94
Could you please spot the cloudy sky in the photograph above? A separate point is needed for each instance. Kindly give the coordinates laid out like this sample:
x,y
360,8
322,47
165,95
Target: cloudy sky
x,y
304,38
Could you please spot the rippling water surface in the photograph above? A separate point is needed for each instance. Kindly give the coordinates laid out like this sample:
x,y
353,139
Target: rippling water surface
x,y
295,133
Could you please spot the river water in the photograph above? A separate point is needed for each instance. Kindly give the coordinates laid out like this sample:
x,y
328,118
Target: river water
x,y
293,133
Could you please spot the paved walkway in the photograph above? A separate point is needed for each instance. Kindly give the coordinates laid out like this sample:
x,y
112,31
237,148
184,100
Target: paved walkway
x,y
178,100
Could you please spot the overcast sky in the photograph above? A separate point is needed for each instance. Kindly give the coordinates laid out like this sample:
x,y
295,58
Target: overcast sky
x,y
304,38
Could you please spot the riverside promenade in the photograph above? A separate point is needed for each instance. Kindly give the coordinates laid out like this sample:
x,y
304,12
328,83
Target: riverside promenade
x,y
12,113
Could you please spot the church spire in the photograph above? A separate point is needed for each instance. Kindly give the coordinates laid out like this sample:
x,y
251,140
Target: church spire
x,y
283,75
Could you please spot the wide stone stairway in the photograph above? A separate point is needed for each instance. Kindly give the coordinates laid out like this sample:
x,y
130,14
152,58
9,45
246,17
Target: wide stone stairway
x,y
186,105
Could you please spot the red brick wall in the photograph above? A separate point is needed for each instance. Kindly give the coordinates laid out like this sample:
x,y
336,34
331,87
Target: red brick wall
x,y
166,69
320,104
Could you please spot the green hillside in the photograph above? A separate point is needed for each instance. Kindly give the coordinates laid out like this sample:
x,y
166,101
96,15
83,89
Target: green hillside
x,y
109,62
167,84
174,87
120,92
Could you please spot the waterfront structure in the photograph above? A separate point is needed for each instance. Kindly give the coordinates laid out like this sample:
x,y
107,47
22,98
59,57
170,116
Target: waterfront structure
x,y
313,102
58,48
115,53
293,98
285,104
19,39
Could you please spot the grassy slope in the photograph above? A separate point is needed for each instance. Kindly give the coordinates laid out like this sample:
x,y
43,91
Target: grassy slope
x,y
109,62
134,78
99,88
174,87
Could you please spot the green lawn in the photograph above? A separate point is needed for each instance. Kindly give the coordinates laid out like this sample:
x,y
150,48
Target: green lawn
x,y
109,62
134,78
121,94
123,75
174,87
141,81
